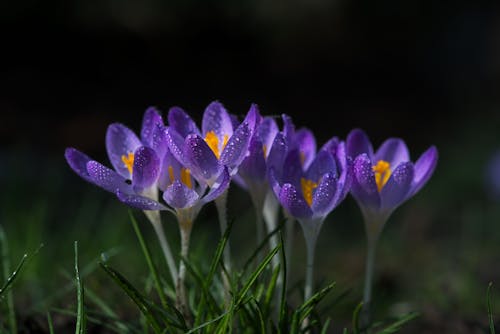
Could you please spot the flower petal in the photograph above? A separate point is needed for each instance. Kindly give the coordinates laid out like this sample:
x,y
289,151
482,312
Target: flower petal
x,y
139,202
394,151
120,141
78,162
357,143
345,170
216,119
274,182
424,168
178,196
107,178
277,153
219,186
266,131
292,201
180,121
323,201
170,171
200,159
175,144
306,143
364,188
396,189
292,168
323,163
146,168
237,147
150,121
253,167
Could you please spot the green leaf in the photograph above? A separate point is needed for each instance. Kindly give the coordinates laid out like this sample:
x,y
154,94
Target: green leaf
x,y
355,318
396,326
490,313
51,325
325,326
80,315
270,290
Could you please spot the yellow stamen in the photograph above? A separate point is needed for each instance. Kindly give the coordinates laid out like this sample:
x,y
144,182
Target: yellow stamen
x,y
128,161
171,174
213,142
307,189
264,149
302,158
382,173
186,177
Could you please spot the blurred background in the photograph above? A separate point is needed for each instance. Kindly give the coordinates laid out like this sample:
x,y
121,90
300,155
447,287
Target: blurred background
x,y
425,71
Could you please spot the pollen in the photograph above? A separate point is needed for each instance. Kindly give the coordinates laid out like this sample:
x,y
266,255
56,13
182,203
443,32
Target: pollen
x,y
171,174
382,173
307,189
264,150
213,142
128,161
186,177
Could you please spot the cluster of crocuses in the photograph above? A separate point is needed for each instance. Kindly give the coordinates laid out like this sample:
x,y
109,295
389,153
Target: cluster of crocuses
x,y
177,167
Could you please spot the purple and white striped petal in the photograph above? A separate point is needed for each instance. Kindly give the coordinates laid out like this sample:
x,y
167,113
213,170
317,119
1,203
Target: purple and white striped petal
x,y
120,142
220,185
293,202
364,188
150,121
396,189
107,178
217,119
179,196
323,201
424,168
180,121
200,159
357,143
78,162
394,151
139,202
146,168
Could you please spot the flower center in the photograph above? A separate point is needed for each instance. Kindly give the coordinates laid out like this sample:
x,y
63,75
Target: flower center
x,y
185,176
382,173
307,189
128,161
213,142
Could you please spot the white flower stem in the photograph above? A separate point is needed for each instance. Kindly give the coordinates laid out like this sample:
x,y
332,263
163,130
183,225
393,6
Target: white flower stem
x,y
311,236
270,214
154,218
367,292
181,299
221,204
290,231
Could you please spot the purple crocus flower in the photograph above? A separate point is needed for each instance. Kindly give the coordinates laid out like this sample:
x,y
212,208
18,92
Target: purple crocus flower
x,y
309,187
382,181
218,144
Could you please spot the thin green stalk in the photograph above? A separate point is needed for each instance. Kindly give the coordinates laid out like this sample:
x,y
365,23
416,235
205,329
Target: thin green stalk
x,y
154,218
6,274
367,291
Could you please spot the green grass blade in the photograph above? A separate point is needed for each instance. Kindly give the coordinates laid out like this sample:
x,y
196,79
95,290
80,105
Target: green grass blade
x,y
260,247
149,261
355,318
490,313
80,314
283,307
136,297
305,309
11,313
268,297
325,326
218,254
51,325
253,277
261,317
396,326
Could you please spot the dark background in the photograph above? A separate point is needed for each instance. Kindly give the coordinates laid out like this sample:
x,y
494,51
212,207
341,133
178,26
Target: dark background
x,y
425,71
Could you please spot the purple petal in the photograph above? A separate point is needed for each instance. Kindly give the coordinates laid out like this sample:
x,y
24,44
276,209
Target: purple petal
x,y
277,153
180,121
200,159
150,121
292,201
139,202
146,168
120,141
78,162
169,165
345,167
396,189
292,168
274,182
175,144
323,201
219,186
288,128
306,143
180,196
364,188
216,119
107,178
253,167
358,143
267,131
237,147
159,140
424,168
394,151
323,163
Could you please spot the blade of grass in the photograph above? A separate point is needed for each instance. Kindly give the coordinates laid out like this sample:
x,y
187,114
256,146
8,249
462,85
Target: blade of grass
x,y
490,313
261,246
80,315
355,318
325,326
283,307
270,290
49,321
149,261
396,326
218,254
305,309
11,313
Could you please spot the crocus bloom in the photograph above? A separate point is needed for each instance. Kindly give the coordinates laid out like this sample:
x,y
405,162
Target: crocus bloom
x,y
385,179
310,193
218,144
